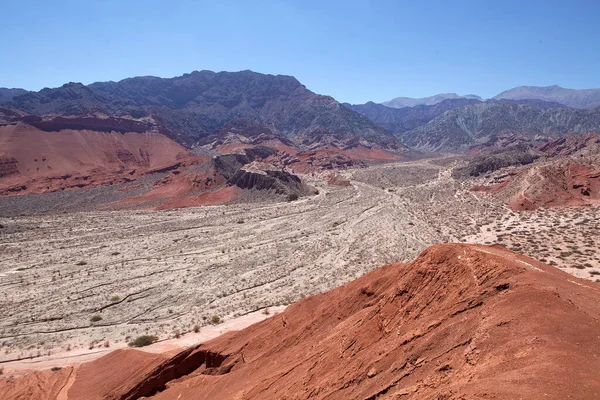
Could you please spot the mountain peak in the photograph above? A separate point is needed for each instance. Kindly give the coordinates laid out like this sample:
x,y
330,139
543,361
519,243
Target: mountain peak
x,y
576,98
401,102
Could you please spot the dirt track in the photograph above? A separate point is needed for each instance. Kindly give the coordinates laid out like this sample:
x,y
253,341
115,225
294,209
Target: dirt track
x,y
163,272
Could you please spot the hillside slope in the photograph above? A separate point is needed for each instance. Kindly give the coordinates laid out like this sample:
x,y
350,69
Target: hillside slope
x,y
36,160
585,98
461,321
400,102
486,123
398,120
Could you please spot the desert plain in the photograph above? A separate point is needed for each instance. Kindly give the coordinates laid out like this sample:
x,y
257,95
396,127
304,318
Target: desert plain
x,y
84,283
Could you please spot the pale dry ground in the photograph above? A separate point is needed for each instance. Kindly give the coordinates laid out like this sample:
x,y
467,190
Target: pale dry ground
x,y
146,272
568,238
173,344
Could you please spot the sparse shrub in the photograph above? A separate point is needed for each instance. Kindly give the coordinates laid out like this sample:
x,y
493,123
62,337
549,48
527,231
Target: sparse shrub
x,y
1,371
215,319
107,343
96,318
292,197
266,311
196,328
240,221
115,298
54,369
177,334
80,263
144,340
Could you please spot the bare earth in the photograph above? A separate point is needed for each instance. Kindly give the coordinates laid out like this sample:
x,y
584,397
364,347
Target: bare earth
x,y
164,273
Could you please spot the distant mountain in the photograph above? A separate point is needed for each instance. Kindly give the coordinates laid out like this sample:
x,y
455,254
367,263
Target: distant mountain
x,y
398,120
400,102
199,104
7,94
498,123
586,98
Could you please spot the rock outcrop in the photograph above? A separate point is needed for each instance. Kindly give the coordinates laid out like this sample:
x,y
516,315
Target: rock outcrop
x,y
461,321
200,104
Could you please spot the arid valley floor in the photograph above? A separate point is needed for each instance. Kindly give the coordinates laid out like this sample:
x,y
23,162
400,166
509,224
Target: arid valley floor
x,y
168,272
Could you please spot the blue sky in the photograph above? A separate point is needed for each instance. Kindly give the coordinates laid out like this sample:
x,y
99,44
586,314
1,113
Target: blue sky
x,y
354,51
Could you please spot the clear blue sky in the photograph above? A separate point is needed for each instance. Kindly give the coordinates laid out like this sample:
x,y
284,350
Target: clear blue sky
x,y
353,50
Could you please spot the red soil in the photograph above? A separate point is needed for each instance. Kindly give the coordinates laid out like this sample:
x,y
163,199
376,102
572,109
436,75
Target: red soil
x,y
197,186
38,385
371,154
584,144
564,182
50,161
461,321
570,176
233,147
111,375
203,199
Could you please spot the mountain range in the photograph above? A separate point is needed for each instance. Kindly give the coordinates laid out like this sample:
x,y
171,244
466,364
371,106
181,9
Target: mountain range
x,y
205,107
200,104
584,98
455,125
7,94
400,102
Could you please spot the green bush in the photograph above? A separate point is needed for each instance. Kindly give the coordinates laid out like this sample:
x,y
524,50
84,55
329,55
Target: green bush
x,y
144,340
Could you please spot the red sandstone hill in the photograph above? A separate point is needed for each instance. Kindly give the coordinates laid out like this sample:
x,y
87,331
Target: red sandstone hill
x,y
459,322
559,183
57,153
33,160
568,174
67,153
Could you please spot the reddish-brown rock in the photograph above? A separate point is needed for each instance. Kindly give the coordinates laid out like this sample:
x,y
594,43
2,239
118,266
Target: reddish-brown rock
x,y
460,322
39,161
562,182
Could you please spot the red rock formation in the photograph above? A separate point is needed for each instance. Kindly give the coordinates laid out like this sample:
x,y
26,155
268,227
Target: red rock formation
x,y
110,376
40,161
585,144
37,385
562,182
568,176
461,321
8,166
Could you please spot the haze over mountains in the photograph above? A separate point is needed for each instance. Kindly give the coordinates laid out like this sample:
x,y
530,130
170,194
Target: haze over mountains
x,y
576,98
400,102
585,98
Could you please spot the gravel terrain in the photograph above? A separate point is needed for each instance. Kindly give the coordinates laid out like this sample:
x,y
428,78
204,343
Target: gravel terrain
x,y
77,280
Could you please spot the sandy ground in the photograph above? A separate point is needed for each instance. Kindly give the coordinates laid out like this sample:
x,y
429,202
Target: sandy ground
x,y
568,238
74,281
79,356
